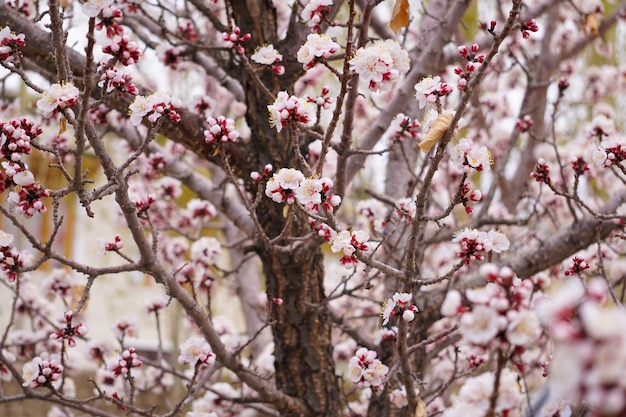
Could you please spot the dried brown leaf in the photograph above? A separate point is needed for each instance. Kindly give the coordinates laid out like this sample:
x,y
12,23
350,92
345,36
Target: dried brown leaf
x,y
436,132
420,410
400,15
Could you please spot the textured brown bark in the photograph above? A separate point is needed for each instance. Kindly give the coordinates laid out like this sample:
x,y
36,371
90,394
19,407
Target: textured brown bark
x,y
301,324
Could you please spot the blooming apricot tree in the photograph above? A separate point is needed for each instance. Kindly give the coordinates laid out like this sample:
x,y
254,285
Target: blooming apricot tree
x,y
415,207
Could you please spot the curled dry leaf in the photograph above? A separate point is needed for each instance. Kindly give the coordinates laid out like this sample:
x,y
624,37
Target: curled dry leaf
x,y
400,15
592,24
420,410
436,132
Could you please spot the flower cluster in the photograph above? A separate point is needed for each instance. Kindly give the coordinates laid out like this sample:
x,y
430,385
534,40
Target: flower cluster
x,y
474,397
474,60
529,26
403,127
10,261
367,371
57,98
589,359
235,39
114,246
70,331
399,305
467,156
126,361
430,89
267,55
122,47
112,79
289,185
10,44
196,351
577,266
153,106
283,185
315,48
380,64
220,130
289,108
474,243
15,138
314,12
143,204
373,214
610,152
501,313
524,124
315,192
541,172
41,372
26,199
349,242
205,251
406,209
467,195
323,101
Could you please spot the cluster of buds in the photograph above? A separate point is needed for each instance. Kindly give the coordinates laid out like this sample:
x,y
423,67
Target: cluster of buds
x,y
524,124
220,130
580,166
123,48
15,138
127,360
10,44
259,176
323,230
112,79
115,245
41,372
577,266
528,26
467,195
70,331
10,262
541,172
143,205
235,39
323,101
399,305
474,60
491,27
407,128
